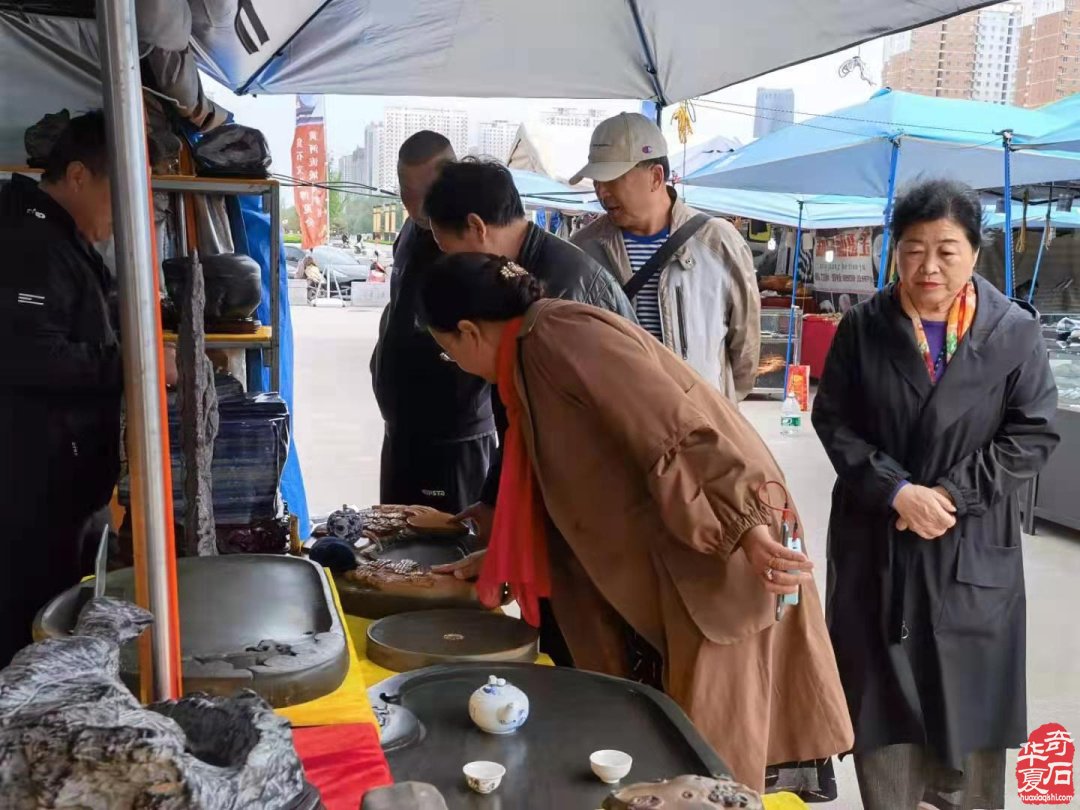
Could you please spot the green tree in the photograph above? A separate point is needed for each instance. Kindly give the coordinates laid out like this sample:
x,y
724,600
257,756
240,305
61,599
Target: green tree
x,y
337,203
290,219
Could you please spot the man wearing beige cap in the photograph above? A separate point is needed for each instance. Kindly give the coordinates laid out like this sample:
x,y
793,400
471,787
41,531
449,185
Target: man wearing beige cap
x,y
690,276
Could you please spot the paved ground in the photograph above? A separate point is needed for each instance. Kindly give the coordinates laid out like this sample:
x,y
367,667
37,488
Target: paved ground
x,y
339,433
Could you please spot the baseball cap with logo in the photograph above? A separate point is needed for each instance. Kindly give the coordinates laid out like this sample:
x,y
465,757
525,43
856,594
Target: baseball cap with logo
x,y
619,144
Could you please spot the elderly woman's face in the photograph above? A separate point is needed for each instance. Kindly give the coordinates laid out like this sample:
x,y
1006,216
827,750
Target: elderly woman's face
x,y
935,260
474,348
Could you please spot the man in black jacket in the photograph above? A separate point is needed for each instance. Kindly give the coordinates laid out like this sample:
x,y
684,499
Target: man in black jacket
x,y
60,373
474,207
440,433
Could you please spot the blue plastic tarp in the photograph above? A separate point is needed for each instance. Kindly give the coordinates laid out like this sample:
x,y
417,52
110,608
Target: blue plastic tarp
x,y
848,152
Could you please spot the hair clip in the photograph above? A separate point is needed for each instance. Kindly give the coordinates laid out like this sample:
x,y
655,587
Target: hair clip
x,y
511,270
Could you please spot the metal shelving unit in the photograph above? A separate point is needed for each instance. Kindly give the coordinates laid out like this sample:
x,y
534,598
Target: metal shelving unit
x,y
267,338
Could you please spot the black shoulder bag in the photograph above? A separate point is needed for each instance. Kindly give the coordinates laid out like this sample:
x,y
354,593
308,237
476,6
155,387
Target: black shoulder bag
x,y
663,254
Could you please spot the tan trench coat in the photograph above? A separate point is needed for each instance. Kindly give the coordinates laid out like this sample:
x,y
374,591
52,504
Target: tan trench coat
x,y
650,475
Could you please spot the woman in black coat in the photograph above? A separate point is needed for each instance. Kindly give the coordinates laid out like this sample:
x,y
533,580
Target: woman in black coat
x,y
935,408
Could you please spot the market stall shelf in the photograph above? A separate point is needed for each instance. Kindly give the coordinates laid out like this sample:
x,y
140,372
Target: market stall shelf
x,y
265,338
428,736
410,641
247,621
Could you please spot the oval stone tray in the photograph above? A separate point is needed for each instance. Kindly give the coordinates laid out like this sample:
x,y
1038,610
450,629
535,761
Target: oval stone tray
x,y
427,735
264,622
411,641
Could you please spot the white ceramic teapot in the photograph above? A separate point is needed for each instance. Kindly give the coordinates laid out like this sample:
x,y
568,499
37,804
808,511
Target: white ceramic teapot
x,y
499,707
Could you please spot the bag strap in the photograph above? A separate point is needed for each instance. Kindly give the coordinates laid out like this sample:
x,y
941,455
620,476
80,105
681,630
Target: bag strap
x,y
663,254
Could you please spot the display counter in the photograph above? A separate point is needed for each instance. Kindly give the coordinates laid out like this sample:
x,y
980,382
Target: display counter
x,y
1053,495
774,339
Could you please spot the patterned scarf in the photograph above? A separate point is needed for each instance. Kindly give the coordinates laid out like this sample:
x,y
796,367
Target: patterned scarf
x,y
961,315
517,553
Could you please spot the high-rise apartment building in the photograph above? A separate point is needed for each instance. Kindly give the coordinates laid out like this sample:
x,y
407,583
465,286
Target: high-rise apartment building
x,y
972,56
352,168
573,117
775,109
373,138
997,53
1049,52
401,122
496,139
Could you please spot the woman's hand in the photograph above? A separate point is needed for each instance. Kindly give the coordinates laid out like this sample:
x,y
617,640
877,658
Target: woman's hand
x,y
772,561
482,516
927,512
468,568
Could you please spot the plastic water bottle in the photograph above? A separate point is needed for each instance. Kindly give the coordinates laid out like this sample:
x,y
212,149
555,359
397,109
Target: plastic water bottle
x,y
790,416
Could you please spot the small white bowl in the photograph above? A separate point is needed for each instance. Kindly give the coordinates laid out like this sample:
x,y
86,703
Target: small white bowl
x,y
484,777
610,766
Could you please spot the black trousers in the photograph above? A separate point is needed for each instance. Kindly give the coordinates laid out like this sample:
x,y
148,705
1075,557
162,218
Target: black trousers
x,y
899,777
445,475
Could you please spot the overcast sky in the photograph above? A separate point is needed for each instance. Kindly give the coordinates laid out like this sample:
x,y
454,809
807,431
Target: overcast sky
x,y
817,85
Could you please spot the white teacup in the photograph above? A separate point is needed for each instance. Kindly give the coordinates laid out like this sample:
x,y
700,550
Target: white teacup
x,y
610,766
484,777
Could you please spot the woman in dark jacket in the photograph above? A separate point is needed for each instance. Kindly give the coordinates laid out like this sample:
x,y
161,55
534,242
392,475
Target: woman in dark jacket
x,y
935,407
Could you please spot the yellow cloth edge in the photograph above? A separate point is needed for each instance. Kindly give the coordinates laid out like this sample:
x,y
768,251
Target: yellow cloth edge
x,y
783,801
346,704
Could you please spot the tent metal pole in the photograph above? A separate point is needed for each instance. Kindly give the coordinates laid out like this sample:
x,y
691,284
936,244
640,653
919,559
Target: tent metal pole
x,y
650,62
151,507
886,233
794,297
1006,142
1042,245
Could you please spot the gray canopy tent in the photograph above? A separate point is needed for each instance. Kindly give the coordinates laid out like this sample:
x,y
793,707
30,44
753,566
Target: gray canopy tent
x,y
664,50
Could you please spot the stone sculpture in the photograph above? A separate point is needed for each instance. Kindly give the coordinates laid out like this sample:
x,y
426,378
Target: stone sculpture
x,y
73,736
198,418
685,793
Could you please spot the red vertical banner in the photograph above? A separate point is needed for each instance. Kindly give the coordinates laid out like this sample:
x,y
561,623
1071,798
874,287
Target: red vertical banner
x,y
309,166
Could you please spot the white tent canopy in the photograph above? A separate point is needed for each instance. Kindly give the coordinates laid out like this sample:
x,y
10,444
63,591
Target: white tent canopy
x,y
667,50
555,152
634,49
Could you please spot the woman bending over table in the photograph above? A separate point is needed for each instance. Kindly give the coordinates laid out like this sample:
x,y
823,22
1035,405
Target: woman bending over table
x,y
638,498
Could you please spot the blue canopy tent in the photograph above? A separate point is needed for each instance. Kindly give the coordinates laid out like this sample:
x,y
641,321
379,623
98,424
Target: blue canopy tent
x,y
891,140
1067,109
540,191
1064,140
1038,216
818,211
